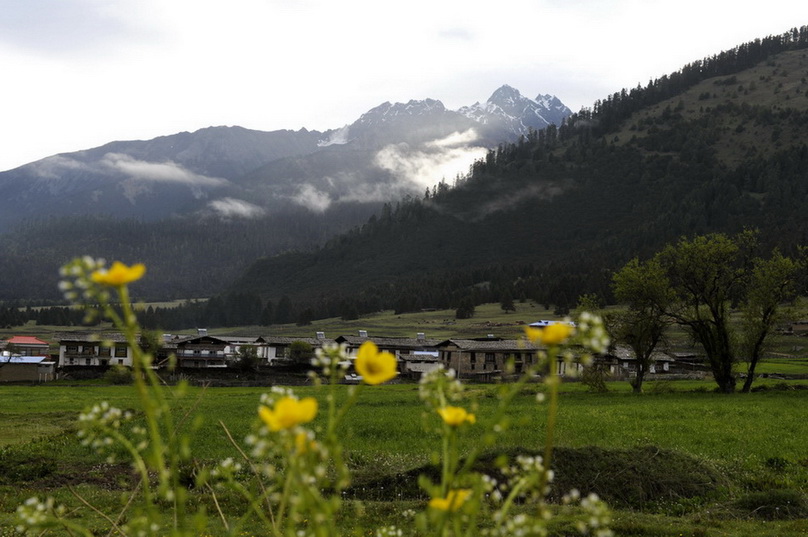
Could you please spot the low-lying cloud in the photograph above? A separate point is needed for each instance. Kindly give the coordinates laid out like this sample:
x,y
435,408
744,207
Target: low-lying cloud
x,y
53,167
235,208
312,198
134,170
507,200
161,172
434,161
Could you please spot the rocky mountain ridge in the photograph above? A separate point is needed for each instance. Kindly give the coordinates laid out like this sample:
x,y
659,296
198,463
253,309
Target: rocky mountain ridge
x,y
222,167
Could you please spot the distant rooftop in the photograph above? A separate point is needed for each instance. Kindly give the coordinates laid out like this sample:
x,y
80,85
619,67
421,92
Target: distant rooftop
x,y
26,340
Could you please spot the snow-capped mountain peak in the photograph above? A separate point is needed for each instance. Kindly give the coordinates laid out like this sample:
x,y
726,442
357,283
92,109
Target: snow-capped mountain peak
x,y
508,110
505,116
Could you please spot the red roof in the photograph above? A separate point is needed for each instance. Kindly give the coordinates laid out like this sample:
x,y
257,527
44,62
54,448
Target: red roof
x,y
26,340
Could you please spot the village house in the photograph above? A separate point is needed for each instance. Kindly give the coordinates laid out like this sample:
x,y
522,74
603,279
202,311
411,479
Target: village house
x,y
200,351
26,368
396,346
275,350
416,363
88,349
625,362
27,346
486,358
414,356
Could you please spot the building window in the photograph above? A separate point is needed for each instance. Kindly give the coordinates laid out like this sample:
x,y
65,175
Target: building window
x,y
104,351
120,361
490,358
88,361
120,350
72,348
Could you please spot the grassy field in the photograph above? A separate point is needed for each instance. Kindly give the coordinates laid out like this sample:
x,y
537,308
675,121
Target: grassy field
x,y
787,356
679,460
742,445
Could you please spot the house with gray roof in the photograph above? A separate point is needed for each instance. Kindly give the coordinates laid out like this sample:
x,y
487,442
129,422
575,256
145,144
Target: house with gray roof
x,y
486,358
26,368
394,345
275,350
90,349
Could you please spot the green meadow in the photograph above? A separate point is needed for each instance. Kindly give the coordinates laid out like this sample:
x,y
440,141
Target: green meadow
x,y
679,460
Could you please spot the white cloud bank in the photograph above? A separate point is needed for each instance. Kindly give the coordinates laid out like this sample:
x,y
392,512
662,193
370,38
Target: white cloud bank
x,y
235,208
310,197
437,160
159,172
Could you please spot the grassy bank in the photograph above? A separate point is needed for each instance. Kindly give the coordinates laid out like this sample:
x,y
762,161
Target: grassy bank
x,y
658,444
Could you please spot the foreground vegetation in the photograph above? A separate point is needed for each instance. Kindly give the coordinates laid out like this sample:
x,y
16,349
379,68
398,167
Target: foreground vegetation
x,y
679,460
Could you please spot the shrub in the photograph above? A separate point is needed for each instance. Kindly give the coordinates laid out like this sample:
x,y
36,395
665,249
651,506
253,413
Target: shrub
x,y
594,377
118,375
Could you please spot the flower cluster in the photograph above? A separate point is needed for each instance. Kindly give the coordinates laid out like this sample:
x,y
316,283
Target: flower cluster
x,y
331,359
118,274
389,531
592,332
455,416
99,425
293,477
77,283
598,517
288,412
525,475
552,334
35,512
519,525
439,386
453,501
374,366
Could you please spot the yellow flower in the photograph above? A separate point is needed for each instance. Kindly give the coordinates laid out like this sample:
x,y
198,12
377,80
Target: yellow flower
x,y
119,274
552,334
454,416
452,502
288,412
374,366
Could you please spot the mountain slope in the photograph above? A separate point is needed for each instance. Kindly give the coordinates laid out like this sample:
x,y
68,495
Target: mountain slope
x,y
221,197
549,217
187,173
149,180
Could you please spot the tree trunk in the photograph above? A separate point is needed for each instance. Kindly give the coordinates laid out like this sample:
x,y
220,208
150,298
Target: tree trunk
x,y
636,385
750,378
726,383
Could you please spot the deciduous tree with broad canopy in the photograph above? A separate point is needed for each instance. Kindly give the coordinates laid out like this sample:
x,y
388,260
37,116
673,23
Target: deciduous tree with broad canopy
x,y
695,283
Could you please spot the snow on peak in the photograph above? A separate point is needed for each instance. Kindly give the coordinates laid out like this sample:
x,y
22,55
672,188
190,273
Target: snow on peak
x,y
509,110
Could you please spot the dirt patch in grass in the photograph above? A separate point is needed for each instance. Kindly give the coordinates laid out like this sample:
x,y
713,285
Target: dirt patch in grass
x,y
636,478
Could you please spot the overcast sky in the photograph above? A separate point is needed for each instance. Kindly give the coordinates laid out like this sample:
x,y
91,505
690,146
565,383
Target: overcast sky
x,y
79,73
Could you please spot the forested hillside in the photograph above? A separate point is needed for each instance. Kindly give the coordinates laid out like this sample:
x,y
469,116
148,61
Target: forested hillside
x,y
717,146
187,257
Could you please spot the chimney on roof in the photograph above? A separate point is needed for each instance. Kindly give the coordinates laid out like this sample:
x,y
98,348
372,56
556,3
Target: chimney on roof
x,y
202,331
420,336
363,333
491,336
320,335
